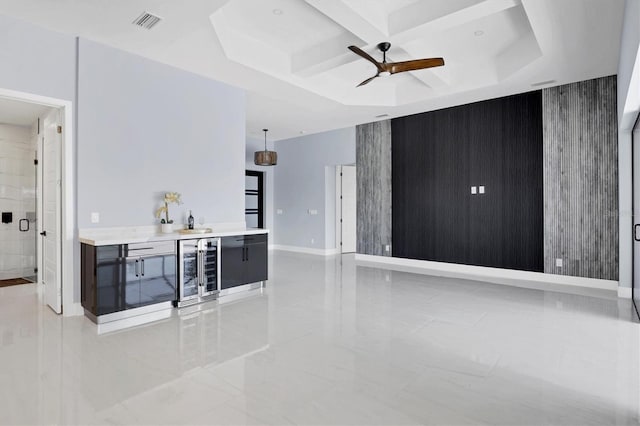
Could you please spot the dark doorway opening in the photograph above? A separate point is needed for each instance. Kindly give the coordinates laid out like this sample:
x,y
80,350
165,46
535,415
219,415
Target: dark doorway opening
x,y
254,199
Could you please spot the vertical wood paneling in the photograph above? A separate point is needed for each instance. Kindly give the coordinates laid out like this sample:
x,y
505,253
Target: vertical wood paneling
x,y
439,155
373,169
581,179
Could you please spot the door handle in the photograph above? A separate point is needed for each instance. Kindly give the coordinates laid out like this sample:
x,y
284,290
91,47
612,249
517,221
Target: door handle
x,y
43,233
635,232
137,271
142,262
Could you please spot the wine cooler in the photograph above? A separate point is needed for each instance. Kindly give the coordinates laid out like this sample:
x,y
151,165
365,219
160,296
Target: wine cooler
x,y
199,262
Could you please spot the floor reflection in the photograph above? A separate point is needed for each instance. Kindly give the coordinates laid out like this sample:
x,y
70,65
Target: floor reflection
x,y
330,342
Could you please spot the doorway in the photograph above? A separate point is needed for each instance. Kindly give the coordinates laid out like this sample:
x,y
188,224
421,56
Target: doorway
x,y
254,199
635,167
346,209
43,216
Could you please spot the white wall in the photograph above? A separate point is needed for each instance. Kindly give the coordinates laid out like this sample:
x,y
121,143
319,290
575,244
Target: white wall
x,y
144,129
305,180
628,109
18,196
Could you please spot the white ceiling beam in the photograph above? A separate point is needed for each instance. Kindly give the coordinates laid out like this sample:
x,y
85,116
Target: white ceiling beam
x,y
455,19
348,18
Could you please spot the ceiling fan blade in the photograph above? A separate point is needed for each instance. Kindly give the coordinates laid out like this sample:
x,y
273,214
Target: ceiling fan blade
x,y
418,64
367,81
365,55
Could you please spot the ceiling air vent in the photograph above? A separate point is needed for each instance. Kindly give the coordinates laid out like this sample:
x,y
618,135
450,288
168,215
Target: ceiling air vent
x,y
147,20
382,116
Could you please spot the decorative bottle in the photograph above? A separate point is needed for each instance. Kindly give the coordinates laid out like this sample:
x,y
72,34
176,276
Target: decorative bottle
x,y
190,221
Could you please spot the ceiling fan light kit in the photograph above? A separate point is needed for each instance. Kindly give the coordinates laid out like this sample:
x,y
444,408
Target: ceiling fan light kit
x,y
386,69
265,158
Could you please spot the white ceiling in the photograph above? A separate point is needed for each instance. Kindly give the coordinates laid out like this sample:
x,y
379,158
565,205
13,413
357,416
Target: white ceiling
x,y
19,113
297,70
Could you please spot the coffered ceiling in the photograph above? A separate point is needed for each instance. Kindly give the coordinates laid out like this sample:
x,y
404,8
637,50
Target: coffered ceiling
x,y
292,58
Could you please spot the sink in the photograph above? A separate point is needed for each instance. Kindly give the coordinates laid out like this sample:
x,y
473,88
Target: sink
x,y
196,231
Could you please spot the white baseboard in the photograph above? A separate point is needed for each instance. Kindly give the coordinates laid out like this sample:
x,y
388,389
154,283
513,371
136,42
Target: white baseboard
x,y
493,275
624,292
73,310
306,250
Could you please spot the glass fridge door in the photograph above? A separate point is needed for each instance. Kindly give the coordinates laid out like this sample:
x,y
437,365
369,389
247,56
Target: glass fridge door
x,y
209,256
189,279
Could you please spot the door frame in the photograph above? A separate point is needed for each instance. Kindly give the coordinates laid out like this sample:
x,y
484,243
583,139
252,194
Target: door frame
x,y
338,217
66,208
636,126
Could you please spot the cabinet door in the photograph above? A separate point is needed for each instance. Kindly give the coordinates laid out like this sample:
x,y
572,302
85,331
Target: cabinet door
x,y
157,279
255,261
130,283
110,273
232,268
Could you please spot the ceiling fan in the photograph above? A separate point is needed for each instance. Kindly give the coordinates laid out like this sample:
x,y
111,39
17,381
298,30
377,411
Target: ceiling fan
x,y
387,68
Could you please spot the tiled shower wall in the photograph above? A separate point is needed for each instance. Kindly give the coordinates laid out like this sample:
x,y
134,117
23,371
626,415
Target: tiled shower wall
x,y
18,196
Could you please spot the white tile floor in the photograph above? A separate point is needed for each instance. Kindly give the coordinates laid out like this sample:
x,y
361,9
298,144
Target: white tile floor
x,y
330,343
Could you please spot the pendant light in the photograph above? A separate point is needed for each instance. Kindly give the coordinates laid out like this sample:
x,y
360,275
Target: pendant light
x,y
265,158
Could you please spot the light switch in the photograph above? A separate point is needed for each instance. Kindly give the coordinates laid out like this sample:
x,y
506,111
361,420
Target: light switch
x,y
95,217
279,211
481,189
312,212
474,190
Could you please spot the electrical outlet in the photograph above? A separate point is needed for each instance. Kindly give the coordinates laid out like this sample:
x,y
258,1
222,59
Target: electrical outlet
x,y
387,247
312,212
481,190
95,217
474,190
559,263
279,211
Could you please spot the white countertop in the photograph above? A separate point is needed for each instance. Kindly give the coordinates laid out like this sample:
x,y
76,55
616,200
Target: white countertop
x,y
111,237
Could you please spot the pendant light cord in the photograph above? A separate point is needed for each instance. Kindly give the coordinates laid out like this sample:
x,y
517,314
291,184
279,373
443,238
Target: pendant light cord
x,y
265,139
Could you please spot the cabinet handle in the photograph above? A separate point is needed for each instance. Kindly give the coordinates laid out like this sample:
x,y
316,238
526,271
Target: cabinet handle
x,y
247,251
635,232
137,272
200,268
142,261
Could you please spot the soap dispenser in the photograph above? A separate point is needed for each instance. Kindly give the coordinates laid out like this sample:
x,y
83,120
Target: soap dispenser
x,y
190,220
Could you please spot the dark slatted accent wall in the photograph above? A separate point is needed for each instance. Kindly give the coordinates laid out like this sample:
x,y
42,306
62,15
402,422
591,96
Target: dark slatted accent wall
x,y
439,155
373,161
581,179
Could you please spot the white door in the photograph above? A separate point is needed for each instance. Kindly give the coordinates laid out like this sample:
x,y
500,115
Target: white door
x,y
348,209
51,220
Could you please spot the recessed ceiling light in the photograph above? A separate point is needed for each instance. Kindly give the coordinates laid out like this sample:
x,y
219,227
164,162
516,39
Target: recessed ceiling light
x,y
277,11
479,33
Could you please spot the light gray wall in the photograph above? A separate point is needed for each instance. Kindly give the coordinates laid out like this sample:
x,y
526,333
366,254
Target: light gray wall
x,y
35,60
41,62
144,129
302,182
373,152
253,145
581,179
628,108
